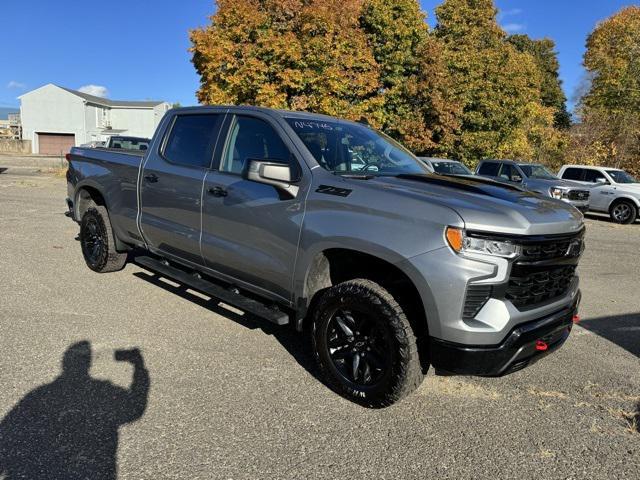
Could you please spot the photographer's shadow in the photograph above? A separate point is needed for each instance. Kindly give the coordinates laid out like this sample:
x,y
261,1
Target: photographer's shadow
x,y
68,429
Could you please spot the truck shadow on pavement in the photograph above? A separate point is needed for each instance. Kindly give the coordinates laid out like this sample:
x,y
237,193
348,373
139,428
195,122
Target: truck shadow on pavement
x,y
293,341
623,330
68,429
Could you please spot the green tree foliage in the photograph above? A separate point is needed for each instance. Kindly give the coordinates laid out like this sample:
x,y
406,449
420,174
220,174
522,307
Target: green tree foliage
x,y
417,108
545,56
609,131
463,90
497,85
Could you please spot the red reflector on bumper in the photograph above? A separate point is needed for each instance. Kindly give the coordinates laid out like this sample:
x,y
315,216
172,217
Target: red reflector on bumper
x,y
541,346
575,318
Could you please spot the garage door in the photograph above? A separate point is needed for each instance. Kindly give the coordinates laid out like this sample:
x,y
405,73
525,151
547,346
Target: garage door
x,y
55,143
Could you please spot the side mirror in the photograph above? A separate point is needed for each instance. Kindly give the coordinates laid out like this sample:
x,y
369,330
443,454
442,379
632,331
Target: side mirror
x,y
601,181
516,178
269,172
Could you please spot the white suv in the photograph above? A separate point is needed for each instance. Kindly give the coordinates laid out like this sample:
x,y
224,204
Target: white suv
x,y
614,191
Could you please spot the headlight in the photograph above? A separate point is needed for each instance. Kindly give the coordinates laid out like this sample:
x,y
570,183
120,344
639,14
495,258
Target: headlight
x,y
462,243
556,192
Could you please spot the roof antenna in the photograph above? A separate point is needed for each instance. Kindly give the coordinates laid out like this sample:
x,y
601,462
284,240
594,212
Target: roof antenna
x,y
363,120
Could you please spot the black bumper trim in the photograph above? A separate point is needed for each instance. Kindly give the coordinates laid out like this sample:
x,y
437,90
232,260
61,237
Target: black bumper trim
x,y
517,350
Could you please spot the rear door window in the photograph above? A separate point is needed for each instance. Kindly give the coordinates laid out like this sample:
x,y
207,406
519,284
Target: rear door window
x,y
192,139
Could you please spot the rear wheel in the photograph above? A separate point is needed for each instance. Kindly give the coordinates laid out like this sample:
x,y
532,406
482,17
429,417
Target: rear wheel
x,y
98,243
623,212
364,345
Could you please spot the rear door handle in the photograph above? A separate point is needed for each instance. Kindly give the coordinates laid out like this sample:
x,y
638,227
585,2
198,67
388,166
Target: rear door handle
x,y
217,191
151,178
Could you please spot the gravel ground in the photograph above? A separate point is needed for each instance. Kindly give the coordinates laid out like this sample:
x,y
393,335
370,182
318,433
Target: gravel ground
x,y
231,397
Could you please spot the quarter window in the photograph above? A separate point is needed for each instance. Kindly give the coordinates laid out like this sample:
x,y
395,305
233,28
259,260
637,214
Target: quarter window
x,y
192,140
253,139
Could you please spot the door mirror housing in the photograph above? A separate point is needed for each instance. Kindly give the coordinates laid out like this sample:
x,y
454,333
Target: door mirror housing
x,y
516,178
602,181
271,172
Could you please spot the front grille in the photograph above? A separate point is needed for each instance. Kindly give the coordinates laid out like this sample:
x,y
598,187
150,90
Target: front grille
x,y
566,247
578,195
477,296
531,285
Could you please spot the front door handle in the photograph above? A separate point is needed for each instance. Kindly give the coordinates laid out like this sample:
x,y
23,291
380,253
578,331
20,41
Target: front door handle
x,y
217,191
151,178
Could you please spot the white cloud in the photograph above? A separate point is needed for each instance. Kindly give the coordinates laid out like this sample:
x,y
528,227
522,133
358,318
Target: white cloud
x,y
15,84
95,90
509,13
513,27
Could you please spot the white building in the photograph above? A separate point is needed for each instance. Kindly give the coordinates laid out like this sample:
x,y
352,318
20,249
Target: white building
x,y
56,118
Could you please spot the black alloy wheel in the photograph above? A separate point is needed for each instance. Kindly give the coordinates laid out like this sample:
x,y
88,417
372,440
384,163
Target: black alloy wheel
x,y
364,345
98,242
359,346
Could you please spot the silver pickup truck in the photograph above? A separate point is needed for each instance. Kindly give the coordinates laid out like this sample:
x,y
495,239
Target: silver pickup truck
x,y
334,228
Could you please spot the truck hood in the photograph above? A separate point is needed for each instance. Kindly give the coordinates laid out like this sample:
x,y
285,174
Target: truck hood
x,y
543,186
631,188
486,205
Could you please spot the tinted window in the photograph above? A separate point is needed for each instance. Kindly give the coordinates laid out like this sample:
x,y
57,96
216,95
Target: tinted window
x,y
192,140
489,168
450,168
593,176
537,171
346,148
572,174
510,172
252,138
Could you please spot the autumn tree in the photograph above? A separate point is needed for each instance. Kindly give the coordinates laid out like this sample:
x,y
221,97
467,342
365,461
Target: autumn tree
x,y
417,107
609,130
497,86
304,55
546,58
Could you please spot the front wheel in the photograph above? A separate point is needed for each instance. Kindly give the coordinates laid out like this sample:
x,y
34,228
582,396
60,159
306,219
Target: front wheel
x,y
623,212
98,242
364,345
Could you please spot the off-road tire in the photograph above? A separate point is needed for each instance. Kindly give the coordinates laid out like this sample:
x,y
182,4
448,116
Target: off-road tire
x,y
404,374
623,212
98,242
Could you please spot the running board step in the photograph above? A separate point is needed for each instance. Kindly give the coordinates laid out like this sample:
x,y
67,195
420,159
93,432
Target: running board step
x,y
237,300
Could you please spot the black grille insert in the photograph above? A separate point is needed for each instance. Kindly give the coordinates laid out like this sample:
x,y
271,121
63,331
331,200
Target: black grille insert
x,y
529,285
477,296
578,195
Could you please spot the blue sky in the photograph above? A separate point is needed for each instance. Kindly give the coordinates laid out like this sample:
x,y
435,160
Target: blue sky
x,y
138,49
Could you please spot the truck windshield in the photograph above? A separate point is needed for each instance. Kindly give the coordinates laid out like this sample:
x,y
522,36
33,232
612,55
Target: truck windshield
x,y
537,171
620,176
450,168
349,149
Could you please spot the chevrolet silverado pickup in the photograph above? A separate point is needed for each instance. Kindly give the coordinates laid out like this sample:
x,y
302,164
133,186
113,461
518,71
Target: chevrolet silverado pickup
x,y
336,229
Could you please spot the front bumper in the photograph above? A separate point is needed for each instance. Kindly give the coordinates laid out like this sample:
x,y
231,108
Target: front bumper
x,y
519,349
582,205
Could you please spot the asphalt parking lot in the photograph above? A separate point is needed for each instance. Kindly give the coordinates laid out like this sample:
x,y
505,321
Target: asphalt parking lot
x,y
233,397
